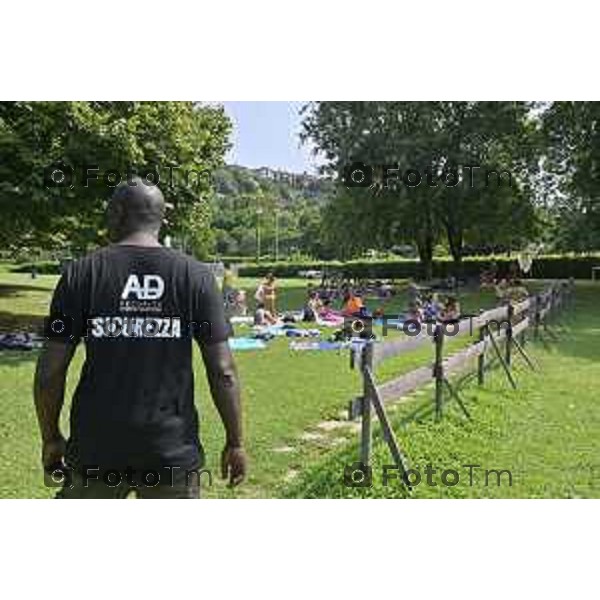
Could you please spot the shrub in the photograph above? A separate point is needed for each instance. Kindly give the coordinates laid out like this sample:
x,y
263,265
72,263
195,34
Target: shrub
x,y
545,267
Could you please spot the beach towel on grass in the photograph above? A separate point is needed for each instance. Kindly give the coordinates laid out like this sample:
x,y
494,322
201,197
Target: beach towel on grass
x,y
318,345
241,320
246,343
303,333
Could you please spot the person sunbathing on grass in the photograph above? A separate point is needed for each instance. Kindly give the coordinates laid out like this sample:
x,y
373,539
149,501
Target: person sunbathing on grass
x,y
263,317
328,316
451,310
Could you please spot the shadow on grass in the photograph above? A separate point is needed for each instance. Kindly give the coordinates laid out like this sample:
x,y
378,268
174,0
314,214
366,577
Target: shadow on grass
x,y
14,322
16,358
14,289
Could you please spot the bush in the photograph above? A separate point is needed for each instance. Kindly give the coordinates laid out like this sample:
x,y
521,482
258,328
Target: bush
x,y
231,259
545,267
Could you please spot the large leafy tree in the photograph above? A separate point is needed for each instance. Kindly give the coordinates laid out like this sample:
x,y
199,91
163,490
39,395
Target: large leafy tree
x,y
573,159
180,143
437,140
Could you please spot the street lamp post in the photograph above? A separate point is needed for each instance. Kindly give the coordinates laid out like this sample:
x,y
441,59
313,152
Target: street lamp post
x,y
276,235
258,213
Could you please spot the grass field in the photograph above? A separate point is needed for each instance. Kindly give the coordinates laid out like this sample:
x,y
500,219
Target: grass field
x,y
297,445
546,433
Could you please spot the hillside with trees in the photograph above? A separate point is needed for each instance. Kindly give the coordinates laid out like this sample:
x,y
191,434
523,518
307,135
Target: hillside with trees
x,y
279,211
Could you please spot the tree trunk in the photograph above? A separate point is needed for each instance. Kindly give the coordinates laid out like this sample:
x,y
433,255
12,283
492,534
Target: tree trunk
x,y
455,241
425,249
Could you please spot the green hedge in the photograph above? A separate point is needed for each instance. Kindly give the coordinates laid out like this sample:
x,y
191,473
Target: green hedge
x,y
545,267
232,259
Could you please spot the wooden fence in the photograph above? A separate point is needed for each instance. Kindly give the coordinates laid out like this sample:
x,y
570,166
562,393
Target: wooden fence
x,y
500,332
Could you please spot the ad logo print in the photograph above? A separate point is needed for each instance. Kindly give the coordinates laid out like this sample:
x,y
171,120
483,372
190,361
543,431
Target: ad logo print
x,y
151,287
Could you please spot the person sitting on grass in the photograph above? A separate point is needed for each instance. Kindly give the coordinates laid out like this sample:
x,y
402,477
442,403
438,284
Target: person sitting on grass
x,y
432,308
263,317
353,305
240,306
451,310
312,307
326,311
328,316
414,312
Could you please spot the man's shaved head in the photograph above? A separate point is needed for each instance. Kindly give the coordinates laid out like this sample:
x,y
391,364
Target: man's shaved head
x,y
135,207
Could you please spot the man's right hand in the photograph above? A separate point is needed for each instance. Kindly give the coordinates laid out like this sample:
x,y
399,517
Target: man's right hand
x,y
234,464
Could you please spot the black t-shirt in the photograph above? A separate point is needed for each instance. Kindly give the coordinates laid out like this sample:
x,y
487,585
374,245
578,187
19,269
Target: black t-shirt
x,y
138,309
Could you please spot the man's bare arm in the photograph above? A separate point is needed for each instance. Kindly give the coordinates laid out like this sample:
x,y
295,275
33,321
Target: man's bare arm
x,y
49,392
225,389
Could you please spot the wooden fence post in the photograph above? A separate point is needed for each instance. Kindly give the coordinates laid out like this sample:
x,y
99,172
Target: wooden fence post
x,y
509,334
438,370
481,359
365,432
536,317
525,314
571,294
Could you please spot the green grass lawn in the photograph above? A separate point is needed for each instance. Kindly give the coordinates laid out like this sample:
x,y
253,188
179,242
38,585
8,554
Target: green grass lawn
x,y
293,402
546,433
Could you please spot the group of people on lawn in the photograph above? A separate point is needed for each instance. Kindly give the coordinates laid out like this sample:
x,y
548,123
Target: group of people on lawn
x,y
423,304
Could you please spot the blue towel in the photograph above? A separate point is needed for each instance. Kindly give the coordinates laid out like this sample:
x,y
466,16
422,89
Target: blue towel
x,y
246,343
312,345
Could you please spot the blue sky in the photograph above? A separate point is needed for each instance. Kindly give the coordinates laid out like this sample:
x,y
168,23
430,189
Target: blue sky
x,y
265,134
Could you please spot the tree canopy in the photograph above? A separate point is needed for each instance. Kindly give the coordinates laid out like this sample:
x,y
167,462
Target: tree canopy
x,y
179,143
452,148
463,177
572,132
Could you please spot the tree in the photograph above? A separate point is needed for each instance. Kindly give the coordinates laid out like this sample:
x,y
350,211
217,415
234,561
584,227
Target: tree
x,y
179,143
376,133
436,141
572,135
290,216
